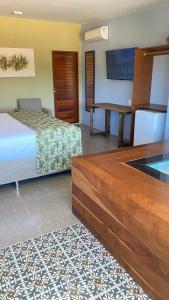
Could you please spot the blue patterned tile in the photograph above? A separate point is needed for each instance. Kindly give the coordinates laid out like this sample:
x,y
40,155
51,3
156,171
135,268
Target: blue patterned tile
x,y
102,255
9,276
63,235
69,264
10,293
46,241
62,272
73,248
85,263
90,241
23,248
71,292
96,281
39,285
52,256
5,261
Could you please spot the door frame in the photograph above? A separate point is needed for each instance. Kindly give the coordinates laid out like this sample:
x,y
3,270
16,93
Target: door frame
x,y
77,72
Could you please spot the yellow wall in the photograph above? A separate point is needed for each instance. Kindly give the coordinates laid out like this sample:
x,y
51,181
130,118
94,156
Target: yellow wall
x,y
43,37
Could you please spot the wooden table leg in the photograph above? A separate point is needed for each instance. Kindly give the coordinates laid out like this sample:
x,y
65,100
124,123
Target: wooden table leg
x,y
107,122
120,129
91,121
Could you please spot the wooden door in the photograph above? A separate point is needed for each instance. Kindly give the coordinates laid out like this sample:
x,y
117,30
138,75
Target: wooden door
x,y
89,79
65,81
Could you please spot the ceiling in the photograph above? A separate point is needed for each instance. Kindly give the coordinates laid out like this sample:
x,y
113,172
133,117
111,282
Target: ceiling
x,y
78,11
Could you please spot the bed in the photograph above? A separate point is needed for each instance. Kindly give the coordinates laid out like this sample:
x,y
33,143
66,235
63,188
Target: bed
x,y
34,144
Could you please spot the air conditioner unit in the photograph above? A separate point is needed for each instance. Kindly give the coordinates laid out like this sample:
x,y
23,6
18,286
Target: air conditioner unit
x,y
100,33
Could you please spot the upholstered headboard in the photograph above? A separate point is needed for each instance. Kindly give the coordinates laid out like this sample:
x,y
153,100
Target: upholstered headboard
x,y
30,105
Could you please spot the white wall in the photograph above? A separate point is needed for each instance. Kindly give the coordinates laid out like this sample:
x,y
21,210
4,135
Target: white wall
x,y
160,80
142,29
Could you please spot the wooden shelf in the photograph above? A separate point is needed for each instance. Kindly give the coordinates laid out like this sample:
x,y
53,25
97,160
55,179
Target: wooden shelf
x,y
154,107
144,59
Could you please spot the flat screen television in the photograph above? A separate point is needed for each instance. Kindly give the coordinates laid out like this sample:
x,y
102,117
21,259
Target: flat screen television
x,y
120,64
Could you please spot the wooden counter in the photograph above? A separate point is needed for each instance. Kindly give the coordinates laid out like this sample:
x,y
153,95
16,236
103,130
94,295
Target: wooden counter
x,y
128,211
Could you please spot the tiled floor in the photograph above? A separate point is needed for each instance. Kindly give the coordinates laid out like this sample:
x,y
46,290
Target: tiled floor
x,y
68,264
44,204
97,143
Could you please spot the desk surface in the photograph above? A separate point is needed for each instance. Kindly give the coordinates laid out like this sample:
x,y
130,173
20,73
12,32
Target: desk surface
x,y
113,107
153,107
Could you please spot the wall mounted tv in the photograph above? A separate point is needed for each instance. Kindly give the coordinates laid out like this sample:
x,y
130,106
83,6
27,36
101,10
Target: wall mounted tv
x,y
120,64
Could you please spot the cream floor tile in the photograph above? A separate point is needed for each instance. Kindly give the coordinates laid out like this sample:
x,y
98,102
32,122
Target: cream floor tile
x,y
15,223
25,217
7,191
45,185
52,211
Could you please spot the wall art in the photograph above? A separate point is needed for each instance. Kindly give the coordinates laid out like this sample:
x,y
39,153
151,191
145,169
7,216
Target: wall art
x,y
17,62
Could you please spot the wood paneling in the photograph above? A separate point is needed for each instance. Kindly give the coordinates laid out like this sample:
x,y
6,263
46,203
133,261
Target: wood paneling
x,y
89,78
65,81
153,107
142,78
128,211
144,59
157,50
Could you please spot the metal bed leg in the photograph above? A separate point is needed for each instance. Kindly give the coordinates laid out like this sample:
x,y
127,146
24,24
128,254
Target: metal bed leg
x,y
17,188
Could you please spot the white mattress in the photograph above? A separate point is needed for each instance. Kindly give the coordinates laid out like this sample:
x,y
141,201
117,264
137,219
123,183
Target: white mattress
x,y
16,140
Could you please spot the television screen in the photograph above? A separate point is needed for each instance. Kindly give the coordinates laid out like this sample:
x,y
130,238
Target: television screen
x,y
120,64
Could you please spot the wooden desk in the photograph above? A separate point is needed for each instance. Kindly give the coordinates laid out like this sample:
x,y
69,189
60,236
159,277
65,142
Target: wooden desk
x,y
108,107
153,107
128,211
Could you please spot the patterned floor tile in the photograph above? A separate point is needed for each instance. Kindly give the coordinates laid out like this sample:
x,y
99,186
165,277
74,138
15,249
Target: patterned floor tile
x,y
69,264
46,241
80,230
126,294
62,272
97,282
85,263
73,248
23,248
63,235
9,277
11,293
90,241
5,261
73,292
102,255
40,285
52,256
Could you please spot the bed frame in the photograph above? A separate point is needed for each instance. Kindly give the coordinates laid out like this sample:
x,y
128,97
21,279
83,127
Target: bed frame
x,y
18,170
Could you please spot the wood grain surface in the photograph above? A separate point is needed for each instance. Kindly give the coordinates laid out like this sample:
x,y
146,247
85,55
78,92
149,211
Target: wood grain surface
x,y
89,79
128,211
65,82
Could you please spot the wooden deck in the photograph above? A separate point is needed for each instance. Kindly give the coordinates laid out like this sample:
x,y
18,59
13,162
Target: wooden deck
x,y
128,211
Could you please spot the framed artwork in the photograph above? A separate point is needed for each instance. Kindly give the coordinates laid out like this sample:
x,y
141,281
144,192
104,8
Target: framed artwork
x,y
17,62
